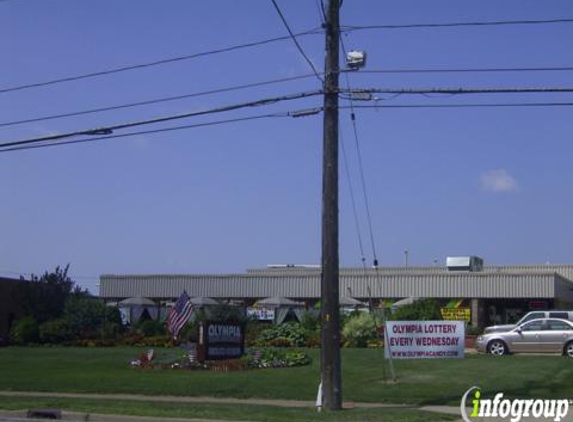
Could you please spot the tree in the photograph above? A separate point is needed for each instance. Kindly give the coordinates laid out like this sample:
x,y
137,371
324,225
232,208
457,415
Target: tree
x,y
421,310
44,298
87,315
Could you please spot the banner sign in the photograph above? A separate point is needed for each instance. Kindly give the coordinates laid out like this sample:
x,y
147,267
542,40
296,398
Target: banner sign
x,y
261,314
424,339
456,314
220,340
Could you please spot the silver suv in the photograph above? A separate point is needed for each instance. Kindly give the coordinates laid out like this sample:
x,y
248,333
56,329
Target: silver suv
x,y
554,313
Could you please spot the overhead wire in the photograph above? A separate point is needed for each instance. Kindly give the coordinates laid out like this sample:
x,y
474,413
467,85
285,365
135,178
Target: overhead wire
x,y
465,70
349,181
321,12
271,40
352,200
485,105
157,62
350,28
459,91
148,132
154,101
106,130
360,161
368,216
297,44
322,17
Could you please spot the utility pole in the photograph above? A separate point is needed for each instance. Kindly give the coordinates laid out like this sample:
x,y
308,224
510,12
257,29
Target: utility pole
x,y
330,314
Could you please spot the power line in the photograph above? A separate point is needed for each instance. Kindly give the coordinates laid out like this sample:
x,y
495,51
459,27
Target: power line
x,y
271,40
293,36
321,13
153,131
485,105
467,70
458,91
360,162
156,63
269,82
352,199
350,28
106,130
155,101
368,214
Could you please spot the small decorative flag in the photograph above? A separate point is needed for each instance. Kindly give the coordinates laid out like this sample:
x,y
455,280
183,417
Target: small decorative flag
x,y
179,314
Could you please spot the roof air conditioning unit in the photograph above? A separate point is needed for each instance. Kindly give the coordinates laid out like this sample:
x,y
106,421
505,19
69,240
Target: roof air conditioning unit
x,y
464,263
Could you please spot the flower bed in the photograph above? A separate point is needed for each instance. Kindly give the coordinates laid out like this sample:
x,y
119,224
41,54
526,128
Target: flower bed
x,y
258,358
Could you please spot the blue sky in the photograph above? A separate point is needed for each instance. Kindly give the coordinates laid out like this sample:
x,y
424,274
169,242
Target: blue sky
x,y
495,182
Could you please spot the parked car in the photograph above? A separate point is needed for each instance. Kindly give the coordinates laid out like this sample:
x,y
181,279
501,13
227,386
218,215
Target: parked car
x,y
546,335
529,317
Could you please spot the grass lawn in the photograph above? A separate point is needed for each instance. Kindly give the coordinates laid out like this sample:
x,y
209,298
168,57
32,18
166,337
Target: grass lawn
x,y
225,411
106,370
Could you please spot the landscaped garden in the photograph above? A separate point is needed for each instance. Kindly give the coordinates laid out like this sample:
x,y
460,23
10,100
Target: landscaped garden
x,y
282,363
107,370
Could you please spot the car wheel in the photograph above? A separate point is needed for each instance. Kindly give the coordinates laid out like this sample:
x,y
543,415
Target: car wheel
x,y
497,348
568,349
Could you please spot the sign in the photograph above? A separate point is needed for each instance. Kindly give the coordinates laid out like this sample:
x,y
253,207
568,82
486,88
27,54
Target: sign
x,y
424,339
456,314
261,314
220,340
538,304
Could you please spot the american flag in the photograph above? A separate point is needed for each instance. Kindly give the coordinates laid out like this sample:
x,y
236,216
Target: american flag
x,y
179,314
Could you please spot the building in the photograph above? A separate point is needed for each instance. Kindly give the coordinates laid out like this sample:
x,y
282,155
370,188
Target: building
x,y
482,295
10,309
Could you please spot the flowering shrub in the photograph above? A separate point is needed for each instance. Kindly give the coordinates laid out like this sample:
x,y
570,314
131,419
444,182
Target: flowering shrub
x,y
138,340
360,330
255,359
277,358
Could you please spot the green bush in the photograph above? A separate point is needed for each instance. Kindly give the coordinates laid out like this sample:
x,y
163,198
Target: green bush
x,y
254,330
150,328
421,310
290,334
310,321
25,331
472,330
111,330
226,313
189,332
56,331
360,329
87,316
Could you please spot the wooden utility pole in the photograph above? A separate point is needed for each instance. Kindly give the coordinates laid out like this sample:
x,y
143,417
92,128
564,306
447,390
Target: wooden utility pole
x,y
330,314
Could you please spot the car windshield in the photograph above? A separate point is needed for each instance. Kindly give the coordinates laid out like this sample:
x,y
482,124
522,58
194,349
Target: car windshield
x,y
531,316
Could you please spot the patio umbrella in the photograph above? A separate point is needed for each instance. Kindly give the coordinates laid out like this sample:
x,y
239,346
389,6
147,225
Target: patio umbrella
x,y
200,301
347,301
277,301
137,306
136,301
402,302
